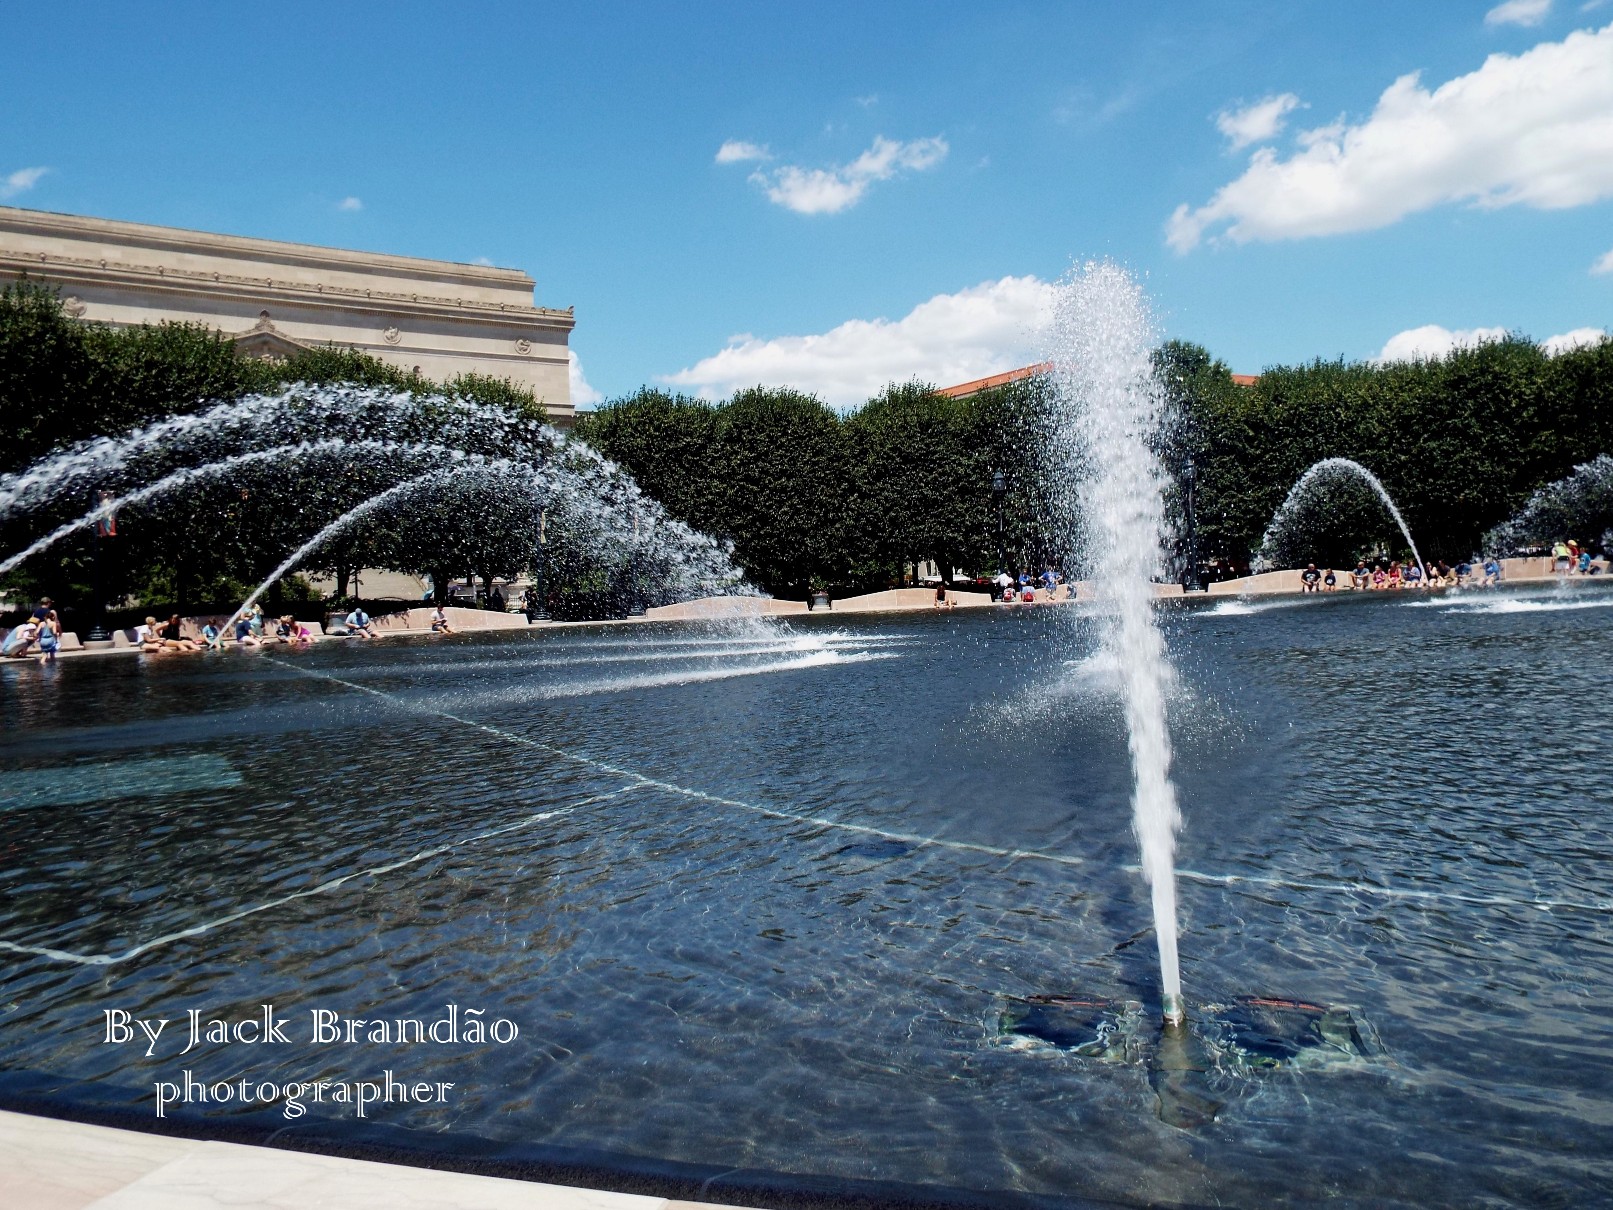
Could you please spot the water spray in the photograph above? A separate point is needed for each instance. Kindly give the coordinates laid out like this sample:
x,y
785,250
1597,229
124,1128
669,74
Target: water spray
x,y
1109,414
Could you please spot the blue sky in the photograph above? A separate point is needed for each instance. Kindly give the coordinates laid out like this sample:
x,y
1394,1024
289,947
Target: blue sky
x,y
901,181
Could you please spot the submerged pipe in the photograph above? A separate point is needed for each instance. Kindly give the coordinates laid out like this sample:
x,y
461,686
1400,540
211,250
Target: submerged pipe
x,y
1175,1014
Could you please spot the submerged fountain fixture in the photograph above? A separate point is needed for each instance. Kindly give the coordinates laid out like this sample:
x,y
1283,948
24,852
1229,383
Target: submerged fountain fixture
x,y
1110,411
1320,472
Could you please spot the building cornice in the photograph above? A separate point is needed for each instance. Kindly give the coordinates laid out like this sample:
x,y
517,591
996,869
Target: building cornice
x,y
85,272
47,223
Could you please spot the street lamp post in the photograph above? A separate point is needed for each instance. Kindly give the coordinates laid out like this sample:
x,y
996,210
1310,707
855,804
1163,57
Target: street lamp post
x,y
540,610
105,527
635,601
1191,581
999,489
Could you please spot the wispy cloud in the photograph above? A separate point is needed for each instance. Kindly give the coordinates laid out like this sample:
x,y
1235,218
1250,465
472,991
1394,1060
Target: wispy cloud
x,y
20,181
1256,123
948,339
1529,129
1604,264
1078,107
1518,12
869,101
831,190
737,151
350,204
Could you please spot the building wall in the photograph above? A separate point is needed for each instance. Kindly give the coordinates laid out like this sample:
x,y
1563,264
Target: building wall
x,y
441,317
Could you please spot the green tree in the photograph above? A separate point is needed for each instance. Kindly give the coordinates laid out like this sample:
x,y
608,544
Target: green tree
x,y
919,483
781,476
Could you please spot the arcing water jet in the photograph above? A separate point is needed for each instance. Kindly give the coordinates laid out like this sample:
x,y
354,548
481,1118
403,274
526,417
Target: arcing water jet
x,y
1317,472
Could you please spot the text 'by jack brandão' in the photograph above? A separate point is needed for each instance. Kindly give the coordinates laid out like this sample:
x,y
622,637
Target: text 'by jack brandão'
x,y
202,1035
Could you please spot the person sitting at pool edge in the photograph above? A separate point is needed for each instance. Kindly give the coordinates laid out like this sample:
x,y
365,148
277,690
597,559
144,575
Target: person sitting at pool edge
x,y
174,637
1309,578
360,623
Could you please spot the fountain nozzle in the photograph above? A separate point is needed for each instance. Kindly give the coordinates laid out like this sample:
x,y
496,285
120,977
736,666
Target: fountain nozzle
x,y
1175,1011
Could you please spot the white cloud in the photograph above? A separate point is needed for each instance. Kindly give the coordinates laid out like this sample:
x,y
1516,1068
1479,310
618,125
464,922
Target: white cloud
x,y
949,339
1258,122
737,151
1518,12
1534,129
831,190
582,395
483,260
1604,265
350,204
20,181
1577,339
1431,341
869,101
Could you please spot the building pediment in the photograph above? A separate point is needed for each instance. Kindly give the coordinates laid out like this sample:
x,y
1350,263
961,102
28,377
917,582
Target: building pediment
x,y
266,342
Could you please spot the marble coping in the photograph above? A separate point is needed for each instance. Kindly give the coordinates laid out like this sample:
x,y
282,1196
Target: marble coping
x,y
47,1164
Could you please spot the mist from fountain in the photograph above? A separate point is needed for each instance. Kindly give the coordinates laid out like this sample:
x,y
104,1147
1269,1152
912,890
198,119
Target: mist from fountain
x,y
1577,504
391,496
168,483
386,434
1109,413
1283,519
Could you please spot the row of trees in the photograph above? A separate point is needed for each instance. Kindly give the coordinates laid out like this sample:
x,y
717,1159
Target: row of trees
x,y
807,494
810,496
1460,442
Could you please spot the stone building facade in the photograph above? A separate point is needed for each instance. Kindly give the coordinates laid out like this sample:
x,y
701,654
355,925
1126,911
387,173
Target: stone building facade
x,y
441,318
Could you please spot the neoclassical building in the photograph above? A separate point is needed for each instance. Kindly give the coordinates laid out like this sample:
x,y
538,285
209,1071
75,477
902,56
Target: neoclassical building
x,y
441,318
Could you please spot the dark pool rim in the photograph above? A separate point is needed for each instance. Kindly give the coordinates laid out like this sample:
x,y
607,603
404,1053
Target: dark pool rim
x,y
578,1167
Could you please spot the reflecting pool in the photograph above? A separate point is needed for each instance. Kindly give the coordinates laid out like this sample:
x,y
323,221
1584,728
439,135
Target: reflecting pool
x,y
767,906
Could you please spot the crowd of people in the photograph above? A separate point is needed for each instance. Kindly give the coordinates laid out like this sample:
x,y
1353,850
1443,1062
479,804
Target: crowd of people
x,y
1570,558
1026,588
39,636
41,630
1381,575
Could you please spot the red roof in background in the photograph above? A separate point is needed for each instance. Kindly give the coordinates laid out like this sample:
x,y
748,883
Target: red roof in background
x,y
964,389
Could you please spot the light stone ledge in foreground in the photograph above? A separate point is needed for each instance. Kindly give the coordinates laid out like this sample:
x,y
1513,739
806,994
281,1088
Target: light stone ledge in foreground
x,y
47,1164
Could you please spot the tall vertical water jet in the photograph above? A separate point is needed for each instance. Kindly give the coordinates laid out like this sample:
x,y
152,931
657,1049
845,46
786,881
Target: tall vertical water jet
x,y
1107,421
